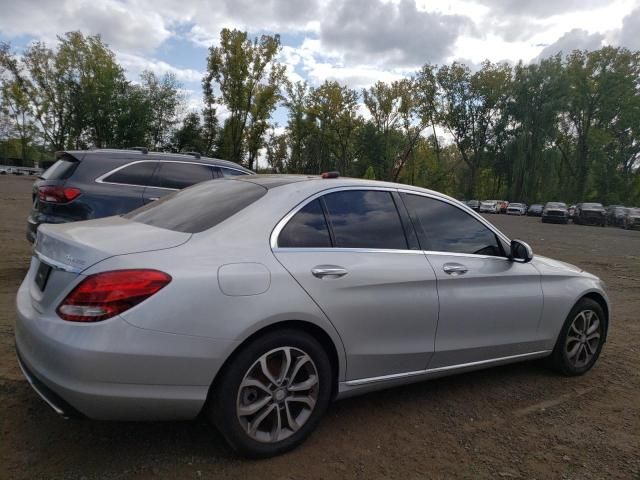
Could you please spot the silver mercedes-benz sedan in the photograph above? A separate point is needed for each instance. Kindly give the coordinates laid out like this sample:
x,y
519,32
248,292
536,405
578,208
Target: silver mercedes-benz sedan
x,y
257,300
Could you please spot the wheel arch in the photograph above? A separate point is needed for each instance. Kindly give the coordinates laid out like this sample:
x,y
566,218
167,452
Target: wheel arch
x,y
312,329
600,300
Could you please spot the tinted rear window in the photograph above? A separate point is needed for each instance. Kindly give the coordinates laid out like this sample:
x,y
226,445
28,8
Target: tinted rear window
x,y
308,228
200,207
140,173
60,170
365,219
181,175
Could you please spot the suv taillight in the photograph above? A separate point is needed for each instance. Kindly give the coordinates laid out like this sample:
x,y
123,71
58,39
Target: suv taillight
x,y
56,194
103,295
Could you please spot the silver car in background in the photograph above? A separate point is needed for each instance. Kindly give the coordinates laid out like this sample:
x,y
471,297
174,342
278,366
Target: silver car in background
x,y
260,299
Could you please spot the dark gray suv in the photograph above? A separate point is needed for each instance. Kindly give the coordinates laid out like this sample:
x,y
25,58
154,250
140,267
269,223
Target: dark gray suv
x,y
88,184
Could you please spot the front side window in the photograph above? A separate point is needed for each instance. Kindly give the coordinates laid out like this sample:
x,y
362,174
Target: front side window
x,y
140,173
364,219
178,175
307,229
443,227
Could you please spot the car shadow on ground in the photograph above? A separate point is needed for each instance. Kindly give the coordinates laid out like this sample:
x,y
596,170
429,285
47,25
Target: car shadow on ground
x,y
196,441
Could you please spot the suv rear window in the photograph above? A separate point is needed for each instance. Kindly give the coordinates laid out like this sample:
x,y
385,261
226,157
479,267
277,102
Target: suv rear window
x,y
200,207
60,170
138,173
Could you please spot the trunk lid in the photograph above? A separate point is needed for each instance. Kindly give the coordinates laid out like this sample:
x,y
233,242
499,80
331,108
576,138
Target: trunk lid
x,y
64,251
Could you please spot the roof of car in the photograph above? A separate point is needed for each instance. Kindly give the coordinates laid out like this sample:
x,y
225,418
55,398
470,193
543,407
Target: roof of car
x,y
143,154
317,183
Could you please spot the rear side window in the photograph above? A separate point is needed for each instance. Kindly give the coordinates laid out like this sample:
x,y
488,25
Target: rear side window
x,y
140,173
200,207
179,175
60,170
308,228
364,219
443,227
229,172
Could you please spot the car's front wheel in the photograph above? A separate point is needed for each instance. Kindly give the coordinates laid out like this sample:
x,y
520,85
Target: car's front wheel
x,y
272,394
581,339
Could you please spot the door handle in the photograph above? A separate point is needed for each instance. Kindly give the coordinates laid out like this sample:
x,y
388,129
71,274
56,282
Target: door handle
x,y
454,269
330,271
153,199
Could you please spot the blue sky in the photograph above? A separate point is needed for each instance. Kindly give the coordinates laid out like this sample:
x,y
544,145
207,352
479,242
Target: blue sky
x,y
356,42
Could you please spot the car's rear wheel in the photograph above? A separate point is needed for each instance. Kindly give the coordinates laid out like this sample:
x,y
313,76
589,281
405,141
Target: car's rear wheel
x,y
272,394
581,339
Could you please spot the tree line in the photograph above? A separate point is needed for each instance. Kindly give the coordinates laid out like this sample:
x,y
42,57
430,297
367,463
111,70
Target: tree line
x,y
564,128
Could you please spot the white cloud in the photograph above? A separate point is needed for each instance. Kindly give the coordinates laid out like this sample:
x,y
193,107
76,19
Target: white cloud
x,y
123,26
136,64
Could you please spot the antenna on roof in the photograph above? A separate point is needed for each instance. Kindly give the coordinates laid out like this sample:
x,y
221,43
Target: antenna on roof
x,y
193,154
143,150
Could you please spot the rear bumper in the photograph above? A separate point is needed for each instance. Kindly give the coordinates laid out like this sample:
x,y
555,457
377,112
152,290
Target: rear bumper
x,y
112,370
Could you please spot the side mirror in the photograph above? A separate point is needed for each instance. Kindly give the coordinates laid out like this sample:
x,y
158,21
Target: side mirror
x,y
521,252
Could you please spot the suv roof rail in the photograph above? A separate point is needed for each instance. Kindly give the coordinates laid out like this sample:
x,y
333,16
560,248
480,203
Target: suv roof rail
x,y
143,150
193,154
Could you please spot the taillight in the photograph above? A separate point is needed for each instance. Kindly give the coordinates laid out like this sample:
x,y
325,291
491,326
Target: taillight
x,y
56,194
103,295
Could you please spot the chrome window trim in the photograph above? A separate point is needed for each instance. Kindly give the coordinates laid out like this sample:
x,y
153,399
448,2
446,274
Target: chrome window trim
x,y
344,250
101,178
273,239
396,376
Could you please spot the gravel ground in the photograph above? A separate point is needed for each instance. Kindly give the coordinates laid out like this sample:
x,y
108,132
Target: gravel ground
x,y
518,421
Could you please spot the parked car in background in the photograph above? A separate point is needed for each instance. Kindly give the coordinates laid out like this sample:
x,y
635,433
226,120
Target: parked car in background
x,y
489,206
631,218
474,205
590,214
6,170
83,185
555,212
258,300
616,215
535,210
517,209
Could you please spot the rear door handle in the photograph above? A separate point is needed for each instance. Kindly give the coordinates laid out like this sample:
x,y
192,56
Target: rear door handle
x,y
153,199
329,271
454,269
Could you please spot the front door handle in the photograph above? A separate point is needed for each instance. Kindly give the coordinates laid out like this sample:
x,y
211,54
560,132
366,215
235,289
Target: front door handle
x,y
454,269
153,199
329,271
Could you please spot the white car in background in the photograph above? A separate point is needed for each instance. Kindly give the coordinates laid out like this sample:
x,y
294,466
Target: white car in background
x,y
489,206
517,209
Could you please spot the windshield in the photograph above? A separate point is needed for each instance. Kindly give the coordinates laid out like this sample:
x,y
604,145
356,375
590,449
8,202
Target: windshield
x,y
634,211
200,207
597,206
556,205
517,205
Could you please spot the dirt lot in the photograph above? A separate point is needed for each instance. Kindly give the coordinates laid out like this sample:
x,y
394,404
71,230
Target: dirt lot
x,y
519,421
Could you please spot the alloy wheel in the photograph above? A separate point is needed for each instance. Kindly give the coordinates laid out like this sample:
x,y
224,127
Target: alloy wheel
x,y
278,394
583,338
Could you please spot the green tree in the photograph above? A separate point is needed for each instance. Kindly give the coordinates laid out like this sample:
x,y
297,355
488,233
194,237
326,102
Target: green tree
x,y
249,78
189,137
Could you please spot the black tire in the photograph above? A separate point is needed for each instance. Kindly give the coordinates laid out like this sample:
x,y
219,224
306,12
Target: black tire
x,y
559,359
222,407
